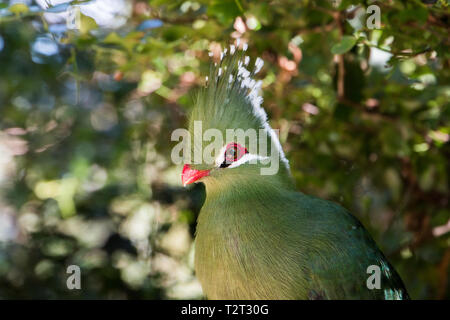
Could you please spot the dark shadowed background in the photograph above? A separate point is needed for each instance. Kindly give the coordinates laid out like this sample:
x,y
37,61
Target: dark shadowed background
x,y
87,110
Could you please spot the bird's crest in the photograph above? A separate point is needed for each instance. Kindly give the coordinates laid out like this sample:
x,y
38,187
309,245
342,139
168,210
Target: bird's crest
x,y
231,98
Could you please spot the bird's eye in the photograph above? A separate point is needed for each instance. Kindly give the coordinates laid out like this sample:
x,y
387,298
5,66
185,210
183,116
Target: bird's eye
x,y
233,152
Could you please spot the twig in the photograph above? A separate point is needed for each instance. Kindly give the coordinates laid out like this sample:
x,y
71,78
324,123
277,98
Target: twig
x,y
443,272
341,65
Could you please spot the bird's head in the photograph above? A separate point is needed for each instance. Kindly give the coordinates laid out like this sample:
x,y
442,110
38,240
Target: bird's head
x,y
231,141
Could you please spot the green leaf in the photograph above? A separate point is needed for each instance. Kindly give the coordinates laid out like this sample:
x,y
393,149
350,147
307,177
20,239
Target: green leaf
x,y
347,42
87,24
19,8
225,11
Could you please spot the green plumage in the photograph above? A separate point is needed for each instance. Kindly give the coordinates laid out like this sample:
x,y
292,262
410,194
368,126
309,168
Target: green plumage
x,y
258,238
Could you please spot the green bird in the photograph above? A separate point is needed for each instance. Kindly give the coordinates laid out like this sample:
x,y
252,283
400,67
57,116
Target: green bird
x,y
257,237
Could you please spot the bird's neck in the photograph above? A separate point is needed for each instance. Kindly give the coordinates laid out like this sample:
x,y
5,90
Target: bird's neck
x,y
241,187
228,198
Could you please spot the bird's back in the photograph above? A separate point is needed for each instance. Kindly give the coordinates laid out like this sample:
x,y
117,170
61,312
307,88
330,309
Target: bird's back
x,y
341,267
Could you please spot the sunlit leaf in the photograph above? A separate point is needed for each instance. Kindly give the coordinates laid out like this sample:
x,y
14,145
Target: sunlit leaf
x,y
87,23
19,8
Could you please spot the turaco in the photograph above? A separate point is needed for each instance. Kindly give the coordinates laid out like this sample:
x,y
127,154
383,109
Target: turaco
x,y
257,237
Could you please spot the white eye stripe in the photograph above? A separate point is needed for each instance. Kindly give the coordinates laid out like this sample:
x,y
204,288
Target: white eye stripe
x,y
247,158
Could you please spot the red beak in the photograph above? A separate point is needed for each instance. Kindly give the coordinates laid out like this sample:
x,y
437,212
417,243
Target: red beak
x,y
190,175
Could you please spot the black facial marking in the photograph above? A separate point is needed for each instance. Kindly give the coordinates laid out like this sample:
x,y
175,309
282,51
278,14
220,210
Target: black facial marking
x,y
233,153
224,164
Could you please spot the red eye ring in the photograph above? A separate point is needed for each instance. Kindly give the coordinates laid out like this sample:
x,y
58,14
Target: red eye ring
x,y
234,152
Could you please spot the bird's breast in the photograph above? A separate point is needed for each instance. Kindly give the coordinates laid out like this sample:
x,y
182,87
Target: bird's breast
x,y
244,259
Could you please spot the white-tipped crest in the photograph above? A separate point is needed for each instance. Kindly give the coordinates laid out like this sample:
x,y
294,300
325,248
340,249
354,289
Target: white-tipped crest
x,y
244,79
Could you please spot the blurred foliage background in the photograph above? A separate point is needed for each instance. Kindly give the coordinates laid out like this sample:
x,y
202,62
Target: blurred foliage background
x,y
87,110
